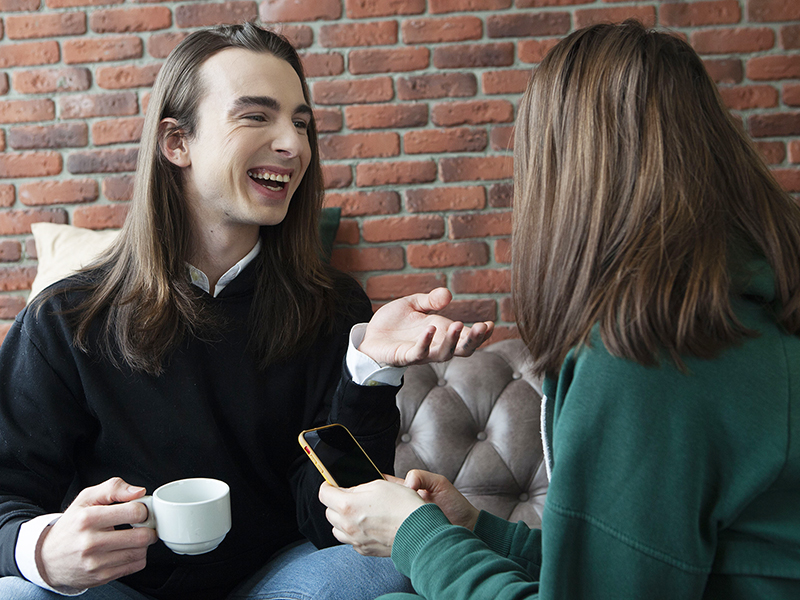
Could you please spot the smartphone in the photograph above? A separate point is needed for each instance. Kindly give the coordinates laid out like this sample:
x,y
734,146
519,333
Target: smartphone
x,y
338,456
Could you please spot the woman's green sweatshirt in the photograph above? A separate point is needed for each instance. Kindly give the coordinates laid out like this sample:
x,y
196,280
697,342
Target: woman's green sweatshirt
x,y
664,484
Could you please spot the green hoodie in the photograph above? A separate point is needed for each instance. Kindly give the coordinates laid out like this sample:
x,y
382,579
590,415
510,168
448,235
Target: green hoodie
x,y
663,484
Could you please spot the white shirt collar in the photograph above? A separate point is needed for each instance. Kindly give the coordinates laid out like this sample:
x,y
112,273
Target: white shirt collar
x,y
200,279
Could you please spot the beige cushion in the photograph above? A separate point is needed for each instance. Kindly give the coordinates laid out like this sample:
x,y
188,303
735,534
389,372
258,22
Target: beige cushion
x,y
64,249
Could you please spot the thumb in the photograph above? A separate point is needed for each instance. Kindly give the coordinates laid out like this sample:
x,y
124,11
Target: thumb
x,y
435,300
110,491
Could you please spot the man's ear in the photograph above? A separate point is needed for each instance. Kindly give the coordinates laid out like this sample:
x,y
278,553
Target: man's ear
x,y
172,143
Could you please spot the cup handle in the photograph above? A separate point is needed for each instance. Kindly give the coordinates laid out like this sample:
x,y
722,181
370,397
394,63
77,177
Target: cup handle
x,y
151,516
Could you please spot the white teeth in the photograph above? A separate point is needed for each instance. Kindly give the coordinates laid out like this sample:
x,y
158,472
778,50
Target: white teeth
x,y
270,176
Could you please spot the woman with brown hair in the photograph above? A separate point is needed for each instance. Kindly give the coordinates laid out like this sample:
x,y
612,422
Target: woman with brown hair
x,y
657,285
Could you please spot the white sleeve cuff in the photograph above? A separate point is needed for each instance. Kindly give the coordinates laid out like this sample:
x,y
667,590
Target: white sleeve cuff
x,y
363,369
25,552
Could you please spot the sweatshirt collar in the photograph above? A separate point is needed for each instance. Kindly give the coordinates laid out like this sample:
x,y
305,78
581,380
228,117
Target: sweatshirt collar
x,y
200,279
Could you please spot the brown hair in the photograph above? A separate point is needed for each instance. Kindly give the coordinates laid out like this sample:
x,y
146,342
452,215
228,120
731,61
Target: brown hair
x,y
636,195
140,288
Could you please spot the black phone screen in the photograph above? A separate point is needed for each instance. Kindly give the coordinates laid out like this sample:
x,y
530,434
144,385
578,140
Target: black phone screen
x,y
341,455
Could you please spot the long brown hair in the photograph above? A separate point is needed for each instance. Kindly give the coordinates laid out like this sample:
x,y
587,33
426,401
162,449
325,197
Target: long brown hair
x,y
140,290
634,190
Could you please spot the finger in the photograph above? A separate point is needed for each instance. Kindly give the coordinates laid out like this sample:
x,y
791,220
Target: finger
x,y
446,347
421,349
433,301
105,517
110,491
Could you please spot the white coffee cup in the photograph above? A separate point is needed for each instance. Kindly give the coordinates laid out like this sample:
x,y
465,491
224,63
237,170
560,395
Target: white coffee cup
x,y
191,516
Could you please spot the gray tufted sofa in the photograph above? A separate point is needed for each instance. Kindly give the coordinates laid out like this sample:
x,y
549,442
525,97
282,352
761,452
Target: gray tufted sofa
x,y
476,421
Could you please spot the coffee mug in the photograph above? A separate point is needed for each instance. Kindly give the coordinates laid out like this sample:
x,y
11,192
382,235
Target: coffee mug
x,y
191,516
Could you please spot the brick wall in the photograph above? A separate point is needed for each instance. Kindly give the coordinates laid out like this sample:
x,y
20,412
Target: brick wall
x,y
416,99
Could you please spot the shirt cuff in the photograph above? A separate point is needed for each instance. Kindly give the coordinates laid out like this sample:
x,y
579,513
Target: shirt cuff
x,y
363,369
25,552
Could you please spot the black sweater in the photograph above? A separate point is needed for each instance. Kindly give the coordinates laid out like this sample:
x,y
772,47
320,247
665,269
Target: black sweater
x,y
69,420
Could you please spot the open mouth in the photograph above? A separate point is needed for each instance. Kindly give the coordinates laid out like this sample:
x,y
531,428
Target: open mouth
x,y
271,181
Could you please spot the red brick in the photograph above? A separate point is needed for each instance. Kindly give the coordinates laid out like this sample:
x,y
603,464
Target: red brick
x,y
124,20
20,5
5,327
10,306
447,254
61,135
770,68
10,251
47,81
472,56
546,3
299,10
27,54
102,49
773,10
323,65
127,76
368,259
159,45
379,33
388,60
2,141
390,287
502,251
790,37
448,6
473,112
3,81
365,9
74,3
789,179
481,281
14,279
591,16
462,139
791,94
117,131
348,232
794,152
506,314
30,164
437,85
502,138
726,70
436,31
445,199
528,24
470,311
17,222
360,91
388,116
84,106
103,216
731,41
774,125
337,176
359,204
7,195
512,81
476,168
695,14
20,27
751,96
206,15
359,145
479,225
26,111
392,173
328,119
300,36
118,189
534,51
394,229
30,248
69,191
773,152
102,161
501,195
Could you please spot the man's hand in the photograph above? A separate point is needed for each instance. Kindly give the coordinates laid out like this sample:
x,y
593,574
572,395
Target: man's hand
x,y
82,549
408,331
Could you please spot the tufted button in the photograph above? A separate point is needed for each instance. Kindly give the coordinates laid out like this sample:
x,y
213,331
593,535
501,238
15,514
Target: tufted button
x,y
481,436
405,438
523,497
516,375
442,382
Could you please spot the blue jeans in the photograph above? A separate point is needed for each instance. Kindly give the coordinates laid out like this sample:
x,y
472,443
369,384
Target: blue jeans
x,y
298,572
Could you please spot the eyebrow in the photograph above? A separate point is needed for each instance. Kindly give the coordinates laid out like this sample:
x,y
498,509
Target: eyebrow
x,y
267,102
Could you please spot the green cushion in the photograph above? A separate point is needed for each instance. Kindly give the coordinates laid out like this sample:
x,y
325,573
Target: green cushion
x,y
328,226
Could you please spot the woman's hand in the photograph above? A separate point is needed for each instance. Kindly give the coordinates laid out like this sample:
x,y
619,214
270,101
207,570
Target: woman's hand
x,y
437,489
408,331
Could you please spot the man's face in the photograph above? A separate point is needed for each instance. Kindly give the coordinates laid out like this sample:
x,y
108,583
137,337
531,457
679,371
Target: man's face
x,y
250,149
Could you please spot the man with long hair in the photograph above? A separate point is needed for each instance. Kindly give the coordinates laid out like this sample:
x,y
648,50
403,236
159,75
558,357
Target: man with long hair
x,y
201,344
656,282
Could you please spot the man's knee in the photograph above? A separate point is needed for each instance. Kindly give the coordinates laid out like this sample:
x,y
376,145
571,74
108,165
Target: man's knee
x,y
21,589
